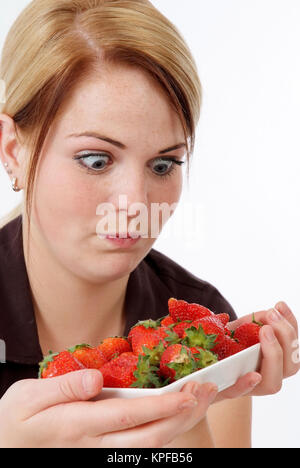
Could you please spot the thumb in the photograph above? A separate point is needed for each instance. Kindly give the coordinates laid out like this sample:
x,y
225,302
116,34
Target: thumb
x,y
38,395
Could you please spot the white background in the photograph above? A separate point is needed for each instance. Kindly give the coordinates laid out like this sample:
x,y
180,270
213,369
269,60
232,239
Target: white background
x,y
244,188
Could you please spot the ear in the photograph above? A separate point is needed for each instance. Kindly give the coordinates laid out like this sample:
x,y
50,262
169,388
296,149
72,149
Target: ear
x,y
10,150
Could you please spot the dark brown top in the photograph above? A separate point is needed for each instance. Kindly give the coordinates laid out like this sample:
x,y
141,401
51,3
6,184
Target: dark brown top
x,y
150,285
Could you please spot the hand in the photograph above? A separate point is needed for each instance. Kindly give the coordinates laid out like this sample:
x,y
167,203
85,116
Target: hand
x,y
56,413
279,343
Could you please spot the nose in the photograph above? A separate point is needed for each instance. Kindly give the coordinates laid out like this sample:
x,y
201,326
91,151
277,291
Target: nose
x,y
130,191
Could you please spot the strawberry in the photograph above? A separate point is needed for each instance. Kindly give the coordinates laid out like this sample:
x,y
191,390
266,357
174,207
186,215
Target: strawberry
x,y
114,346
176,362
129,370
248,333
223,318
197,311
181,310
227,347
140,328
149,339
146,336
181,327
118,372
178,309
56,364
206,333
90,357
167,321
175,332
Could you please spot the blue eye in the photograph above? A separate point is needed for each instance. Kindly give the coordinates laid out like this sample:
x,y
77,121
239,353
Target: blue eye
x,y
94,162
97,163
166,166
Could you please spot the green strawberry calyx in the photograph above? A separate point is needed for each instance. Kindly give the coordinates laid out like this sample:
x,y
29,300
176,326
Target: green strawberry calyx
x,y
183,364
197,337
154,354
173,337
205,358
46,361
146,324
254,321
145,374
79,347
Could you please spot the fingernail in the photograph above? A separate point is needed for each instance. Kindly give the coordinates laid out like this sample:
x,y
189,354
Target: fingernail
x,y
255,381
197,391
88,382
269,334
213,393
275,316
192,403
200,392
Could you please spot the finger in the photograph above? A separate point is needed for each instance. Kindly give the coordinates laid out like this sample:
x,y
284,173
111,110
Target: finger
x,y
259,317
117,414
286,312
272,363
34,395
286,335
243,386
159,433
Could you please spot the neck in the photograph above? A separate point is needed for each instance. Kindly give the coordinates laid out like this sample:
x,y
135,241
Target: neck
x,y
69,310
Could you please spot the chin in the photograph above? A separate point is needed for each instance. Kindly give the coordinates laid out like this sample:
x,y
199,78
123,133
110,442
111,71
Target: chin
x,y
108,266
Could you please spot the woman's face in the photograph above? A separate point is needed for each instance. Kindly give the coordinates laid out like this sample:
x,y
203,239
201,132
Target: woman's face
x,y
78,173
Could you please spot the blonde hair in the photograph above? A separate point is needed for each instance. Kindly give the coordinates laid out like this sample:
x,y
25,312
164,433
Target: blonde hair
x,y
54,44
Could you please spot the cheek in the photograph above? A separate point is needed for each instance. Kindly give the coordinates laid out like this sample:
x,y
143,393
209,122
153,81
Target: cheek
x,y
166,194
168,190
64,197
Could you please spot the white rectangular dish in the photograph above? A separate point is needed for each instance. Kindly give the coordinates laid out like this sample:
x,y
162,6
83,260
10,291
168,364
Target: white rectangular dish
x,y
224,374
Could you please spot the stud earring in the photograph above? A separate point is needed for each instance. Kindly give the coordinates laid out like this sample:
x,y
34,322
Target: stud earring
x,y
9,171
15,186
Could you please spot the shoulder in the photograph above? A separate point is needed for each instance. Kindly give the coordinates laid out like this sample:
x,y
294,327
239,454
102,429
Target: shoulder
x,y
182,284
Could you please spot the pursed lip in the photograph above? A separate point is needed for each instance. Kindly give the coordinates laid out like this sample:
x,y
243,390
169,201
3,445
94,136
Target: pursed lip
x,y
127,235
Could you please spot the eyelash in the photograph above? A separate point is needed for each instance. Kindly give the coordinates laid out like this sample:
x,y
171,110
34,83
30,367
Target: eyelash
x,y
79,160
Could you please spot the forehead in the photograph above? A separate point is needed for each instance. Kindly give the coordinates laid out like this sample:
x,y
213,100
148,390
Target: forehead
x,y
123,98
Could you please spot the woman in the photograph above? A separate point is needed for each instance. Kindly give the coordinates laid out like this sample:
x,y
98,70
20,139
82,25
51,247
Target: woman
x,y
103,99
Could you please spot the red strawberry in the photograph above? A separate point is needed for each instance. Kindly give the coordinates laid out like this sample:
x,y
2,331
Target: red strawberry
x,y
181,310
146,336
90,357
140,327
227,347
176,362
224,318
205,333
129,370
162,332
248,333
114,346
228,332
118,372
56,364
149,339
196,311
178,309
167,321
174,333
181,327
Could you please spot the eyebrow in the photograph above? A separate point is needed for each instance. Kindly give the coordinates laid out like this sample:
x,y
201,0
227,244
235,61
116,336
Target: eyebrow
x,y
117,143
